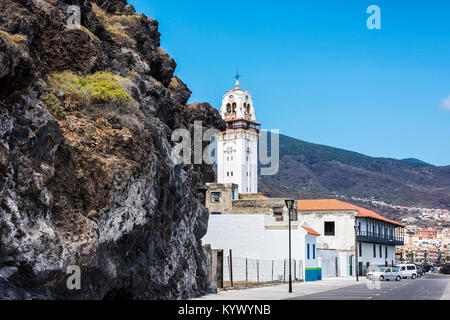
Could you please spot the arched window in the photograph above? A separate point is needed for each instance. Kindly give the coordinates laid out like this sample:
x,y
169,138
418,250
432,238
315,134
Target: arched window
x,y
234,107
228,108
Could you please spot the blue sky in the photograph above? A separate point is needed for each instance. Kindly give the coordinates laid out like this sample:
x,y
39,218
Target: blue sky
x,y
317,73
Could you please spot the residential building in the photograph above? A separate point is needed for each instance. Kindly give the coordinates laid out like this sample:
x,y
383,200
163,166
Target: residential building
x,y
335,221
427,233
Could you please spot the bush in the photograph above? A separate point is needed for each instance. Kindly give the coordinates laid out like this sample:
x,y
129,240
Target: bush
x,y
89,33
13,39
117,25
55,106
100,87
100,94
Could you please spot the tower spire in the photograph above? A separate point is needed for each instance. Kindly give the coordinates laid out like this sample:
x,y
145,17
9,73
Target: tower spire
x,y
237,76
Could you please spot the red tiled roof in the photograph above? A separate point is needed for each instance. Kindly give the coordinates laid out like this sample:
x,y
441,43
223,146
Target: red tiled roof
x,y
427,230
336,205
311,231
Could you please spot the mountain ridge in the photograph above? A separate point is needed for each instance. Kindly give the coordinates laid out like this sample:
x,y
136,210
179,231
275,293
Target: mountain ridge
x,y
309,170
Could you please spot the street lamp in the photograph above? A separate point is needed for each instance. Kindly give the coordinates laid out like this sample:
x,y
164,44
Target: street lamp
x,y
356,250
290,205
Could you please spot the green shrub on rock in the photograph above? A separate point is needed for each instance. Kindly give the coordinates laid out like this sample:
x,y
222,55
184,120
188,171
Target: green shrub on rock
x,y
100,94
100,87
54,105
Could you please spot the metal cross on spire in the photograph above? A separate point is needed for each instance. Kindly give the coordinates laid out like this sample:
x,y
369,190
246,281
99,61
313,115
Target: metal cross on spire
x,y
237,76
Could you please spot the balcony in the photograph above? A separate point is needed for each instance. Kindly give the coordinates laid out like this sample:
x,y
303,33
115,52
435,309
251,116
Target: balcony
x,y
243,124
373,237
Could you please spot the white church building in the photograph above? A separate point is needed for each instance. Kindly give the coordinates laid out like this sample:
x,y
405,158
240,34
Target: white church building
x,y
243,221
237,147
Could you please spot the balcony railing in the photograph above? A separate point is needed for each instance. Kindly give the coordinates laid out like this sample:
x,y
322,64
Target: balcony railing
x,y
242,124
375,237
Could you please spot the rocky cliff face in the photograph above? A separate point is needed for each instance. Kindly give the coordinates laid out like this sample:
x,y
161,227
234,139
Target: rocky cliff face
x,y
86,176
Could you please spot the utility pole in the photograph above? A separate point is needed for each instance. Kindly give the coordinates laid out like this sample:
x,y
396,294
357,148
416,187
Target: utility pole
x,y
290,271
356,250
290,205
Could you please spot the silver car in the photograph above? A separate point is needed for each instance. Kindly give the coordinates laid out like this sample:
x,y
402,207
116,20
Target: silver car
x,y
384,273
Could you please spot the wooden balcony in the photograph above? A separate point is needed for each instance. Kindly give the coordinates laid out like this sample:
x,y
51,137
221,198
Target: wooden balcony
x,y
373,237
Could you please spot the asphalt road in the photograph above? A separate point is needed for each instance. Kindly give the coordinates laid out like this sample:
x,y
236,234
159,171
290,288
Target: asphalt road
x,y
428,287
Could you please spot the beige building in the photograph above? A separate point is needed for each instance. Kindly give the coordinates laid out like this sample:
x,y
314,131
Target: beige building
x,y
224,199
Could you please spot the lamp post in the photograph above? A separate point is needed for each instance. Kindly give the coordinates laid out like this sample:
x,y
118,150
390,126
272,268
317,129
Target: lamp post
x,y
356,250
290,205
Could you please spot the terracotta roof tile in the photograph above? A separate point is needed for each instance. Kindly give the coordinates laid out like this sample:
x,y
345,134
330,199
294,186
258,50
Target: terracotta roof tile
x,y
337,205
311,231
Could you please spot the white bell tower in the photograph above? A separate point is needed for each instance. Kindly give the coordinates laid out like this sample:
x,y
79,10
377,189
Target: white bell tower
x,y
237,147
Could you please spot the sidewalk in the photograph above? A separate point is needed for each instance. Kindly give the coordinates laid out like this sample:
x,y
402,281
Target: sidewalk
x,y
446,293
280,292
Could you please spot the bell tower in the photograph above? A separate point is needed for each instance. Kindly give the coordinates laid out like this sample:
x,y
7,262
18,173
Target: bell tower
x,y
237,146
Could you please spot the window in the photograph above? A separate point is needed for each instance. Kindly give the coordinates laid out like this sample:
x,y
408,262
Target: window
x,y
329,228
360,249
374,251
231,173
216,213
385,252
215,197
228,174
307,251
410,268
278,215
381,252
314,251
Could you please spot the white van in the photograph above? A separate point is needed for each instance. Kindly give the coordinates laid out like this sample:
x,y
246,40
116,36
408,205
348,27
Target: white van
x,y
407,270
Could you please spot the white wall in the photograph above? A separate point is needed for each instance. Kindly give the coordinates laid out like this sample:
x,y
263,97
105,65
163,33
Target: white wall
x,y
276,244
367,254
332,259
243,233
344,238
312,262
238,161
344,264
248,238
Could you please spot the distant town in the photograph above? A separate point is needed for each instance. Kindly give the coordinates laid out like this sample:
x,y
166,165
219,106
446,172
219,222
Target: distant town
x,y
427,232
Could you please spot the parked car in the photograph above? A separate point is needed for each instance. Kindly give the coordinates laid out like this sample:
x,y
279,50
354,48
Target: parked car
x,y
420,270
426,267
407,270
446,268
384,273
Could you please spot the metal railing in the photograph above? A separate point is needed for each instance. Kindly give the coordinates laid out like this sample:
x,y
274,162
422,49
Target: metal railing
x,y
376,237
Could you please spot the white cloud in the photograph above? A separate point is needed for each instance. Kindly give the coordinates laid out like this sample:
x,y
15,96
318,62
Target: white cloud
x,y
445,104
